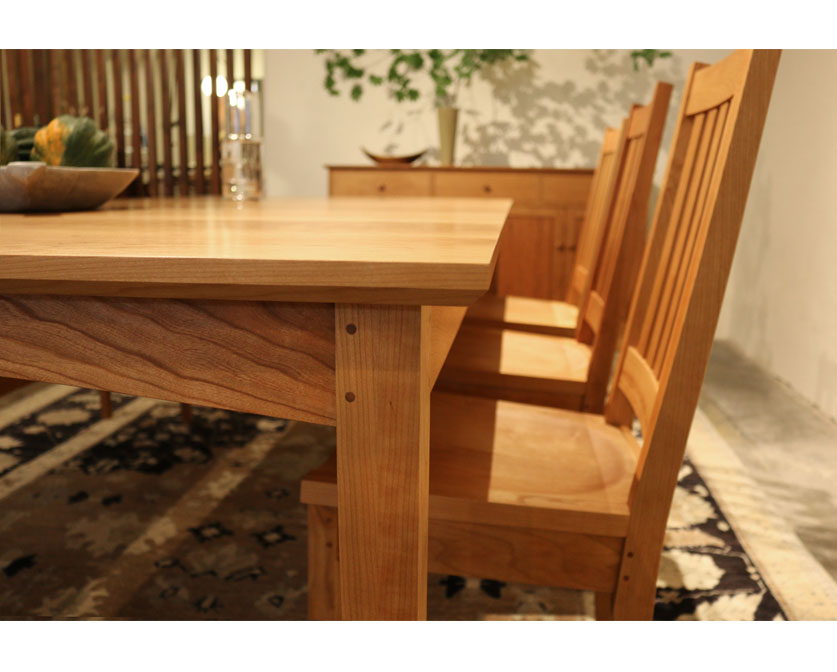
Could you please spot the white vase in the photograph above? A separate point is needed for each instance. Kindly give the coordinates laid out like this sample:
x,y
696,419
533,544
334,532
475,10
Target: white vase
x,y
447,134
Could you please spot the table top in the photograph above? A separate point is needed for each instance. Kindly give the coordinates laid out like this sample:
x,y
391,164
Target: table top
x,y
384,250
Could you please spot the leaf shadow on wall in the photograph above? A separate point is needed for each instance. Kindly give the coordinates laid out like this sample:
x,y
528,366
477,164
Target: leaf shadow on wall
x,y
556,123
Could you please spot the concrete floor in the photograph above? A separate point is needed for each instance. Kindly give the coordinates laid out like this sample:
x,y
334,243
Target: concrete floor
x,y
788,446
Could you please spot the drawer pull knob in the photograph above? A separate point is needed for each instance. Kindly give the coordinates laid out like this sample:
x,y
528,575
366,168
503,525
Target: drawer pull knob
x,y
382,187
487,189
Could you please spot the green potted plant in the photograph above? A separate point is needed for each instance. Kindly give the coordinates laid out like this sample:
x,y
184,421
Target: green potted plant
x,y
448,70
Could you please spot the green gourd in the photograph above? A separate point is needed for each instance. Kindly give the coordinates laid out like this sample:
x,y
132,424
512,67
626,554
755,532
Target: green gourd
x,y
73,141
8,147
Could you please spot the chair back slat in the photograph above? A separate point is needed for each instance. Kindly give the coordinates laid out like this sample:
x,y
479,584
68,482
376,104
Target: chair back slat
x,y
198,102
87,74
28,90
167,120
182,142
102,117
609,250
248,70
151,125
41,86
70,75
136,132
705,163
55,80
3,105
230,62
676,304
623,233
13,84
591,231
117,58
215,139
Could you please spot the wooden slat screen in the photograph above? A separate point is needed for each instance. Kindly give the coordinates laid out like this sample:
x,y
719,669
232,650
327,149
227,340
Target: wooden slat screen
x,y
149,101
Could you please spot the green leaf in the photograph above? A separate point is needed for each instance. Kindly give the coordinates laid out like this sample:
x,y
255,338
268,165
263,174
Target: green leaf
x,y
357,92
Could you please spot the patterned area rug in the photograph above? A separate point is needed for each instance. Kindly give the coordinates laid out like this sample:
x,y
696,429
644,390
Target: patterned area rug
x,y
143,517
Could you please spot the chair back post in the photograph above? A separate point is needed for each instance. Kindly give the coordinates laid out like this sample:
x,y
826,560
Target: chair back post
x,y
694,237
592,229
620,252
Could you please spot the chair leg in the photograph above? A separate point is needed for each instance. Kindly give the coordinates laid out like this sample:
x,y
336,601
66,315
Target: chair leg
x,y
107,406
323,567
604,606
186,413
636,591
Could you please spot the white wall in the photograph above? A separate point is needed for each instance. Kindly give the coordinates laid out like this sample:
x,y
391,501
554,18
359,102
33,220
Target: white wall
x,y
551,112
781,303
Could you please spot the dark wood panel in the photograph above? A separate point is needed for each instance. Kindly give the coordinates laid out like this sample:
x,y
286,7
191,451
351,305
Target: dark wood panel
x,y
215,180
198,100
276,359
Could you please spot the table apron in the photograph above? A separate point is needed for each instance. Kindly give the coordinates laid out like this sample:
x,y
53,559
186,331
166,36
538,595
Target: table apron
x,y
271,358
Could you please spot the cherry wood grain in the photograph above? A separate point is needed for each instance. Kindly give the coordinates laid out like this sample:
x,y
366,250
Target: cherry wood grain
x,y
323,565
444,325
101,86
182,147
271,358
248,69
151,124
197,102
136,132
383,396
523,313
214,137
496,463
87,75
117,59
430,251
167,121
538,557
28,106
55,79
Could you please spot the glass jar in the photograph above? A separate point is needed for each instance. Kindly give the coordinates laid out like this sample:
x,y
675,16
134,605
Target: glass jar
x,y
241,168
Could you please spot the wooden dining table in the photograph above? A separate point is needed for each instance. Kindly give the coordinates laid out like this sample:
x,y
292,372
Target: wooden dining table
x,y
333,311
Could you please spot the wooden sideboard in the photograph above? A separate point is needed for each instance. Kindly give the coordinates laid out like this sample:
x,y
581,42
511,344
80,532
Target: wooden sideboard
x,y
538,247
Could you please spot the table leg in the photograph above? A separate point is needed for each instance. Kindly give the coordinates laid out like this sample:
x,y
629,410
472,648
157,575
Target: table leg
x,y
383,414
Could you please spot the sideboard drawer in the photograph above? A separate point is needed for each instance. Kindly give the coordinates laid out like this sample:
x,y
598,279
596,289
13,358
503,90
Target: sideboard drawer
x,y
566,189
380,182
522,188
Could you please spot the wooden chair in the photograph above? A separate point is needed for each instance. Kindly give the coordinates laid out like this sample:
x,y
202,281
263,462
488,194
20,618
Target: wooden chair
x,y
553,497
573,372
164,138
560,318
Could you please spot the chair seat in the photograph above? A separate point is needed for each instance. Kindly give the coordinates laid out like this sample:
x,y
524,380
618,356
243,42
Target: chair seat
x,y
517,366
518,465
522,313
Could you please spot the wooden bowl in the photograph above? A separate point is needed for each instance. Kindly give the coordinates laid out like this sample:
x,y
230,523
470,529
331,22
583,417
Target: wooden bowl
x,y
32,186
390,160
